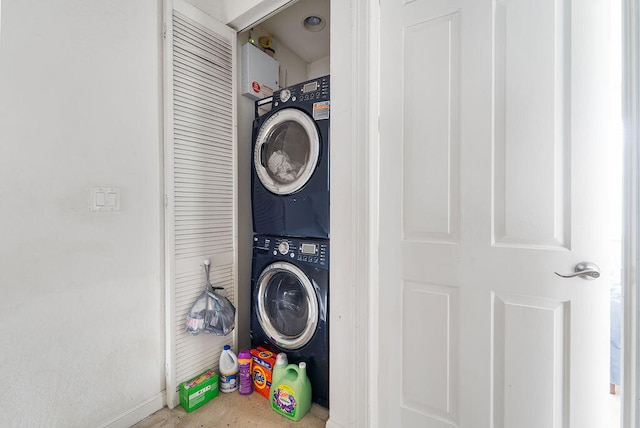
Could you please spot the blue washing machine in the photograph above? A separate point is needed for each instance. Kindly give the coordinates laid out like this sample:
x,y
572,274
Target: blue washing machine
x,y
290,298
290,164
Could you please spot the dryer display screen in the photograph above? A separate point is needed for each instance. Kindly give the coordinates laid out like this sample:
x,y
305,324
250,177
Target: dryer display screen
x,y
309,249
310,87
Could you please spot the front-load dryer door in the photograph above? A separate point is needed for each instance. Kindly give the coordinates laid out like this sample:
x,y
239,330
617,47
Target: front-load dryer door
x,y
286,151
286,305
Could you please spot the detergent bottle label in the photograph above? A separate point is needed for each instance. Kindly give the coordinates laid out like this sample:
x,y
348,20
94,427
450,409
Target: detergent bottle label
x,y
284,400
228,382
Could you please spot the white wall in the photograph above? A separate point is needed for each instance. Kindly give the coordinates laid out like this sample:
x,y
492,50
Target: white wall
x,y
212,8
242,14
318,68
81,311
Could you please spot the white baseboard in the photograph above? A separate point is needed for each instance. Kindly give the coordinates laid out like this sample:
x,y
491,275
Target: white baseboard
x,y
138,413
333,424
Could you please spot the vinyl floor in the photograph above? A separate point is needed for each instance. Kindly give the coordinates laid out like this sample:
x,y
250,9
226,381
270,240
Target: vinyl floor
x,y
233,410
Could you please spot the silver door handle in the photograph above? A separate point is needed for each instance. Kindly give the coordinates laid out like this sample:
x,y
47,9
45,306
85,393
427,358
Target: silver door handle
x,y
585,270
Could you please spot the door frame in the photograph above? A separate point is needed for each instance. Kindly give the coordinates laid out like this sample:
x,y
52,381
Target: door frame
x,y
631,210
354,214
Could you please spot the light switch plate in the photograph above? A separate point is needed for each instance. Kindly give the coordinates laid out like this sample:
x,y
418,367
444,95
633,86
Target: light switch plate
x,y
104,199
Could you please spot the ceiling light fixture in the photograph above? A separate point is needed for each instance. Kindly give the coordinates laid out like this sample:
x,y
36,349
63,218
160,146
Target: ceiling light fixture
x,y
314,23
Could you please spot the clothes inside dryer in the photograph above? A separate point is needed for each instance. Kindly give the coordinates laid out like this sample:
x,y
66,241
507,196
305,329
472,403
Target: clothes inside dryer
x,y
286,151
285,161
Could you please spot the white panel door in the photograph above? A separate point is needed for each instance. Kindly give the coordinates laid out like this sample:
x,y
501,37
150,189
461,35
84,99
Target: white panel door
x,y
492,135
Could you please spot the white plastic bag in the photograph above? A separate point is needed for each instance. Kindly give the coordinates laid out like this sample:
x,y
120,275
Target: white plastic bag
x,y
211,312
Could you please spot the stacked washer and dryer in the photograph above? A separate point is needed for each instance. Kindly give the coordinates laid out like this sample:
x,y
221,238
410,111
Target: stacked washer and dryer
x,y
290,207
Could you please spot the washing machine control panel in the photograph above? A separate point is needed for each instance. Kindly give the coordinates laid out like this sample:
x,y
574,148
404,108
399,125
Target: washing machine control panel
x,y
285,94
313,252
283,247
310,91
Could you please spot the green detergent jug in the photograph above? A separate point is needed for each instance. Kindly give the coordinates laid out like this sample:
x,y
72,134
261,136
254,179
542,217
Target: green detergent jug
x,y
291,392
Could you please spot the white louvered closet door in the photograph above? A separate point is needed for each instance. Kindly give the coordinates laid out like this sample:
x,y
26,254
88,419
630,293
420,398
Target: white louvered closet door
x,y
200,180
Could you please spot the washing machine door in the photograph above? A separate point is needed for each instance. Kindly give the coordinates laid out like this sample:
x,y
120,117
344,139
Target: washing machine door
x,y
286,151
286,305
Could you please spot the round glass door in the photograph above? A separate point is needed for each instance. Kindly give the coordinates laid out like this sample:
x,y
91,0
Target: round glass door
x,y
286,151
286,305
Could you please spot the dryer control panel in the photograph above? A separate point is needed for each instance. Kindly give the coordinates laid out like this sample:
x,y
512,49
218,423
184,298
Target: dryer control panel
x,y
310,91
307,251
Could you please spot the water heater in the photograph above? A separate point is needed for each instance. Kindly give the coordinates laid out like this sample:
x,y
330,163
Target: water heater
x,y
259,73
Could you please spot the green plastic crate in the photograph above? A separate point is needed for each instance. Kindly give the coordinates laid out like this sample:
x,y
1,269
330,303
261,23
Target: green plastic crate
x,y
199,390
